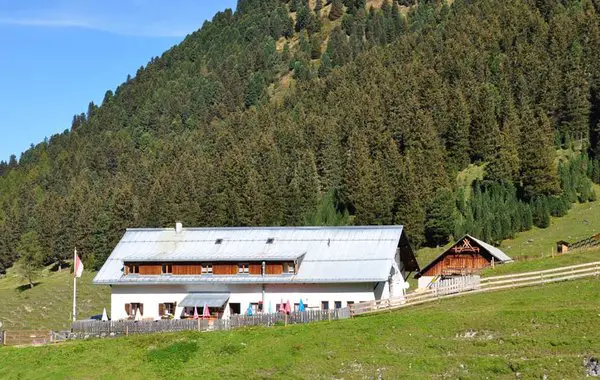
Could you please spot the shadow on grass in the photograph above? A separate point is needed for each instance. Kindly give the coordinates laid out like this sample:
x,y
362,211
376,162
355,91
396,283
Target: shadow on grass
x,y
25,287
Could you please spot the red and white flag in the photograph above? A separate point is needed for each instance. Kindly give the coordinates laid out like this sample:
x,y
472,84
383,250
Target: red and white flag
x,y
78,270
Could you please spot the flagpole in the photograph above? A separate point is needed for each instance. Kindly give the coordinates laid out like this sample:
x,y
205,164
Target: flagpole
x,y
74,286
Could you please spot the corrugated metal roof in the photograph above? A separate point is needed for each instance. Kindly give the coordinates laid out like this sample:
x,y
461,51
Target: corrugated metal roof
x,y
497,253
499,256
331,254
200,299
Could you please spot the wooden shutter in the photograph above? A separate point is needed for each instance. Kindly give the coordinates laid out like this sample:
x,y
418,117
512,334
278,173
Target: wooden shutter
x,y
255,268
161,309
128,308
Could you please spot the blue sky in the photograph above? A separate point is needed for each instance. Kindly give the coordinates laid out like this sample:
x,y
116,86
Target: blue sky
x,y
58,55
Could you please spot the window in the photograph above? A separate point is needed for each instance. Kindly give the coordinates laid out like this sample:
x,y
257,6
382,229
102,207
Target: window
x,y
167,268
270,240
350,303
218,241
166,310
243,268
338,304
324,305
288,268
132,308
207,269
133,268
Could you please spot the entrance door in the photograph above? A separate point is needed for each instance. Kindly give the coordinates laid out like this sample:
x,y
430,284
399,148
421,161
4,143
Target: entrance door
x,y
234,308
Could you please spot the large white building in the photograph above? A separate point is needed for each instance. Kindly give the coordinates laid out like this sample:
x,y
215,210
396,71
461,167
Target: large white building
x,y
165,273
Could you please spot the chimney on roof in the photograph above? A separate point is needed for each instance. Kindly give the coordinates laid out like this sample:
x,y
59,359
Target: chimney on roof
x,y
178,227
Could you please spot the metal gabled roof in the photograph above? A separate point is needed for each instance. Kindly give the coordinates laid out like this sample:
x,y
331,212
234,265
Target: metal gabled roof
x,y
499,256
329,254
496,252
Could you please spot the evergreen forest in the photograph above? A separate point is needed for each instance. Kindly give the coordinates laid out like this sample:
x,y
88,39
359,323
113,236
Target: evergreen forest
x,y
327,113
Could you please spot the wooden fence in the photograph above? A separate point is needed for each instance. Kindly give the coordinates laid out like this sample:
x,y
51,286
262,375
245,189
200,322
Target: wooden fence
x,y
27,337
113,328
486,284
590,242
456,284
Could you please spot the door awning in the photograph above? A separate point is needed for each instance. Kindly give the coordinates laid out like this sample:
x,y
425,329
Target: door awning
x,y
199,299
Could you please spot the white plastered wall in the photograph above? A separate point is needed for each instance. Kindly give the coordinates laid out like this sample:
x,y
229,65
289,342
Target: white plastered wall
x,y
311,294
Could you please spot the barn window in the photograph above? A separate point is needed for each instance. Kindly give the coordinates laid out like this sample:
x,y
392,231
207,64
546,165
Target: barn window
x,y
167,268
133,268
218,241
324,305
338,304
243,268
270,240
207,269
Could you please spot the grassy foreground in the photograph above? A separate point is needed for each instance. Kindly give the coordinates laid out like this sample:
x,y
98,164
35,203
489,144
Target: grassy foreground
x,y
528,332
50,303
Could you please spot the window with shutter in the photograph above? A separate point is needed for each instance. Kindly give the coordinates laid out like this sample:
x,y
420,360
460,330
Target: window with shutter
x,y
128,308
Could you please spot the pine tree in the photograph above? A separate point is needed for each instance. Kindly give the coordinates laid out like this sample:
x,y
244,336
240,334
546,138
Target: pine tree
x,y
31,258
440,218
338,48
254,90
576,105
538,171
336,11
295,5
485,131
318,6
457,137
326,66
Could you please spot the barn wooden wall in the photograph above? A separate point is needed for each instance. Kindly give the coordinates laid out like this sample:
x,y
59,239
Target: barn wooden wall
x,y
458,263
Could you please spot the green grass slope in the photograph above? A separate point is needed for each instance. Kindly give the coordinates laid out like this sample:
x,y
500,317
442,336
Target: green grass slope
x,y
50,303
527,333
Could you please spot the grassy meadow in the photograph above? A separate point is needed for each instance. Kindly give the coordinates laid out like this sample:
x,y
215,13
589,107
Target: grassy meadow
x,y
50,303
523,333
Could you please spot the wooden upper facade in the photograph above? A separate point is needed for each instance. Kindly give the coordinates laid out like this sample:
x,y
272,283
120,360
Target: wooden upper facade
x,y
467,256
203,268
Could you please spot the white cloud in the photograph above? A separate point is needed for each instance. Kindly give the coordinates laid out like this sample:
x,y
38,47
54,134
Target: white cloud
x,y
44,22
125,17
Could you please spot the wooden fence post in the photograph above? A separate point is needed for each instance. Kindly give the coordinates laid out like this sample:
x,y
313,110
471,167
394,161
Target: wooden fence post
x,y
126,330
5,337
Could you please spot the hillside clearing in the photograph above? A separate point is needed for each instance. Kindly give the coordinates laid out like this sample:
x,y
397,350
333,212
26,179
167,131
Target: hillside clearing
x,y
528,332
49,304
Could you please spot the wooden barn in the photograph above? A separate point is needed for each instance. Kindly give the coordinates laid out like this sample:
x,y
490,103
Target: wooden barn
x,y
467,256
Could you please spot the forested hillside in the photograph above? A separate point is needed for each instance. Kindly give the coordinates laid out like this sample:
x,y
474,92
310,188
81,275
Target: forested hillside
x,y
313,113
